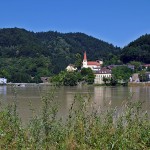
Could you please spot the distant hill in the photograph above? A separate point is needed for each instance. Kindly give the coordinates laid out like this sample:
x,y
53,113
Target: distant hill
x,y
27,53
138,50
20,42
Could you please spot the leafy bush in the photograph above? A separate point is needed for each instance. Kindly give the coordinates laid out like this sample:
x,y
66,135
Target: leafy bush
x,y
72,78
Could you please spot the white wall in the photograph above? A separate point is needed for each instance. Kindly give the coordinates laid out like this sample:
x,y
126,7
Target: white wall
x,y
99,78
3,81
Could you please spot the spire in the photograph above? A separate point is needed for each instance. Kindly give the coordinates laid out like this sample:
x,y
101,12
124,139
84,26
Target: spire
x,y
85,58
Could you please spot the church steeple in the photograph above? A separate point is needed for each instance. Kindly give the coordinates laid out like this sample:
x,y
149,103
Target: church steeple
x,y
85,58
85,61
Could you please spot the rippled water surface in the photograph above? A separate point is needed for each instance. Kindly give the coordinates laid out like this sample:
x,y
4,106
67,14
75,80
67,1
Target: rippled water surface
x,y
29,97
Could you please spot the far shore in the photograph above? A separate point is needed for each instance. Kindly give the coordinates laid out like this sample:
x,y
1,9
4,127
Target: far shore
x,y
50,84
28,84
139,84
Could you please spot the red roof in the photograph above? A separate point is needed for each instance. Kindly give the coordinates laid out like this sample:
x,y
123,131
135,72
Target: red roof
x,y
93,63
147,65
85,58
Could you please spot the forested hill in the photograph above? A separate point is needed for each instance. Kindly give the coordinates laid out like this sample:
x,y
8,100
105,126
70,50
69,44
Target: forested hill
x,y
15,42
24,54
73,43
138,50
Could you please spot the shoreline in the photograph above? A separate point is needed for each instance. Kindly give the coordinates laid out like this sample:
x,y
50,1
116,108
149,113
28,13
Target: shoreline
x,y
27,84
50,84
139,84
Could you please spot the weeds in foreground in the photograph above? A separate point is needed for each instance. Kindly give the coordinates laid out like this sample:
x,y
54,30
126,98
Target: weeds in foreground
x,y
84,128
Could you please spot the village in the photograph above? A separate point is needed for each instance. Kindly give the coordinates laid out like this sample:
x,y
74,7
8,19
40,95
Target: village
x,y
75,75
105,73
102,74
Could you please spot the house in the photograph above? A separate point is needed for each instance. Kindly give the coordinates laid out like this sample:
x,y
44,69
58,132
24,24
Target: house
x,y
100,74
3,81
135,77
94,65
71,68
45,79
148,76
146,66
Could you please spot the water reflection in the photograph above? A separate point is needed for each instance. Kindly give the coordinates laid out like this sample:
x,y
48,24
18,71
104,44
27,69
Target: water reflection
x,y
141,94
100,96
3,90
3,93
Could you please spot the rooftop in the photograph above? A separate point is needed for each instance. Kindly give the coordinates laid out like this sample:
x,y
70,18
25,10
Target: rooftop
x,y
103,71
96,63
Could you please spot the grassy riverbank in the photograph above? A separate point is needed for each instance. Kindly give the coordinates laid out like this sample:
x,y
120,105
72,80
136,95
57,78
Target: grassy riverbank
x,y
85,128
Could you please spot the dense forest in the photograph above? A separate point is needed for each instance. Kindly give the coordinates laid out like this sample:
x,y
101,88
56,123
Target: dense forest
x,y
25,56
138,50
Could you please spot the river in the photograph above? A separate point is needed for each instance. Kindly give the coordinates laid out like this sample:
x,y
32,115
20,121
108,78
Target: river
x,y
29,97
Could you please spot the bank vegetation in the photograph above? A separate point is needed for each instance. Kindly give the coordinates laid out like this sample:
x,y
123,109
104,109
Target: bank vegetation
x,y
85,127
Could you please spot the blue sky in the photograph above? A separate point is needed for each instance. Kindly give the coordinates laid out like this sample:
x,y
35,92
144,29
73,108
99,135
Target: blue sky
x,y
115,21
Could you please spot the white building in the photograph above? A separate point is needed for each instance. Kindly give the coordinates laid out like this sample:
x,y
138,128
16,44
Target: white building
x,y
100,74
94,65
3,81
71,68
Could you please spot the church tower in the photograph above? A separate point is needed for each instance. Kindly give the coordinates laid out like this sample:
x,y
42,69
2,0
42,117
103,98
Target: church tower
x,y
85,61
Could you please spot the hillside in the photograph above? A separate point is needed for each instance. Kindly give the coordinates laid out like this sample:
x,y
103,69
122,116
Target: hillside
x,y
138,50
26,54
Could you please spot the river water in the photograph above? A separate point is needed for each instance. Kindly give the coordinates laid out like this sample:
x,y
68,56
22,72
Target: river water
x,y
29,97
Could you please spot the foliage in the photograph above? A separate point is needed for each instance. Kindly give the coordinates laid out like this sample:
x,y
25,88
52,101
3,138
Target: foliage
x,y
73,78
66,78
136,64
113,81
142,76
112,60
88,75
106,80
82,129
138,50
70,79
46,53
23,69
36,79
59,79
121,73
78,61
148,68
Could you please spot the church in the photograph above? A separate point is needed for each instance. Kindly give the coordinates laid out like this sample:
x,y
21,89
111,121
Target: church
x,y
94,65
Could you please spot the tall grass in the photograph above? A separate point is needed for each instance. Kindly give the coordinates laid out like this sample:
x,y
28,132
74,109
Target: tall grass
x,y
84,128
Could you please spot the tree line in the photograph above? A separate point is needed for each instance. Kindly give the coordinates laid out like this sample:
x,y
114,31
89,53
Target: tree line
x,y
26,55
